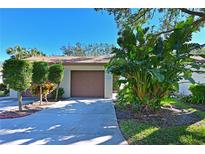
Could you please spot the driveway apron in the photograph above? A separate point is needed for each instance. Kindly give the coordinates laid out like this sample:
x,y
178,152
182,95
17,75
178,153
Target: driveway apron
x,y
74,121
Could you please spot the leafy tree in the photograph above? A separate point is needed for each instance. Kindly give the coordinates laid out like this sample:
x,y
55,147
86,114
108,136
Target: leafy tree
x,y
18,75
166,17
151,65
21,53
87,50
40,75
56,72
17,52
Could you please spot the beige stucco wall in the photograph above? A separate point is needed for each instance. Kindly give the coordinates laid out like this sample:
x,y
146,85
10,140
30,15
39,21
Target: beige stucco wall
x,y
66,83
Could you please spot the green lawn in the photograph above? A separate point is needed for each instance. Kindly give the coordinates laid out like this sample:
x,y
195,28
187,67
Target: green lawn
x,y
146,133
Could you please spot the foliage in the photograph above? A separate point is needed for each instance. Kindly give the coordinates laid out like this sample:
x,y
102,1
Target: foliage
x,y
56,72
21,53
115,84
60,93
87,50
197,89
165,17
40,75
197,96
149,133
18,75
55,75
4,89
151,65
126,94
47,88
40,72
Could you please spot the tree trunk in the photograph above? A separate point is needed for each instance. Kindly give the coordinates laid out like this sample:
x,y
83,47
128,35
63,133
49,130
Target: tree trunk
x,y
20,101
41,95
57,92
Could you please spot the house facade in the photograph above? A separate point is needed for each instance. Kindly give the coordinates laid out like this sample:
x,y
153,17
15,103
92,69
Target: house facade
x,y
83,76
87,76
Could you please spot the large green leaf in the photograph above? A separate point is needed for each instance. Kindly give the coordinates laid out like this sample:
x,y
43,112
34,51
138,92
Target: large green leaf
x,y
157,74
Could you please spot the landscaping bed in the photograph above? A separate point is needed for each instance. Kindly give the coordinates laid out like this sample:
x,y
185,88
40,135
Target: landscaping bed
x,y
27,110
174,123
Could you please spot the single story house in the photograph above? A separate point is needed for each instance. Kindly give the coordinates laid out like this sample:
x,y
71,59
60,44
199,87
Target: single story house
x,y
83,76
87,76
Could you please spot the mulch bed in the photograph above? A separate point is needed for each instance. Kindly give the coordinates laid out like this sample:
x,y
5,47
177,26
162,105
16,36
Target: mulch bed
x,y
27,110
165,117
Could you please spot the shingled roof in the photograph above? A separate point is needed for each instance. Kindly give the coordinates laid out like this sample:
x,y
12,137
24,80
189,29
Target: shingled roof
x,y
72,59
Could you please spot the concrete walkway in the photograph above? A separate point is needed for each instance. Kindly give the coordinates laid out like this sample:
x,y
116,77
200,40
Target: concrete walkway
x,y
74,121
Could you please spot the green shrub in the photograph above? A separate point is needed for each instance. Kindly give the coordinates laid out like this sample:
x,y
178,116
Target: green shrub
x,y
40,75
198,93
17,74
125,96
197,96
60,93
55,75
197,90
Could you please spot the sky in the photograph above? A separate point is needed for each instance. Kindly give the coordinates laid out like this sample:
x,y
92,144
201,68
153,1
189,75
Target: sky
x,y
49,29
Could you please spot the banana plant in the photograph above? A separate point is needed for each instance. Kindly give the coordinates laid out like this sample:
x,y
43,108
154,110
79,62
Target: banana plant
x,y
152,65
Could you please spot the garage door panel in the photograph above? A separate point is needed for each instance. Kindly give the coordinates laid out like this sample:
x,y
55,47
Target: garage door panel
x,y
87,83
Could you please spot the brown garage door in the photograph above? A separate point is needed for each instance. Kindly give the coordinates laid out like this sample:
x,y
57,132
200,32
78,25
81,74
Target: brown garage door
x,y
87,83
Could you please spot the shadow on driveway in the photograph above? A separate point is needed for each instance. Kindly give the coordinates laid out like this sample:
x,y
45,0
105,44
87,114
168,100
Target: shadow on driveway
x,y
74,121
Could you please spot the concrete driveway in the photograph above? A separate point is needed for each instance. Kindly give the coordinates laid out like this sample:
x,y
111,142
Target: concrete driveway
x,y
74,121
7,103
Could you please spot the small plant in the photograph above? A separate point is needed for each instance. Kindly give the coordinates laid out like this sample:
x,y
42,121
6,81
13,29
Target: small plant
x,y
60,93
126,97
47,88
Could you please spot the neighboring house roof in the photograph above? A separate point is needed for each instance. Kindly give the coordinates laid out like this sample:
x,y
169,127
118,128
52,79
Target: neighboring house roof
x,y
72,59
85,59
